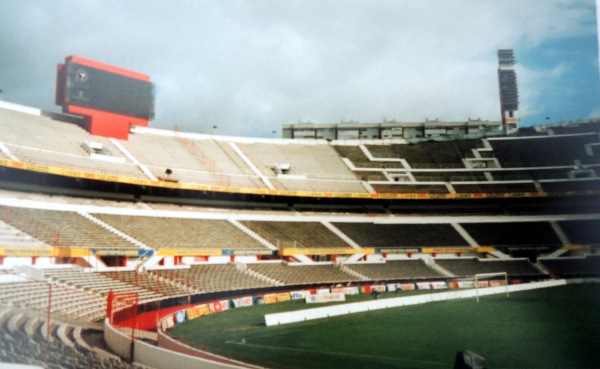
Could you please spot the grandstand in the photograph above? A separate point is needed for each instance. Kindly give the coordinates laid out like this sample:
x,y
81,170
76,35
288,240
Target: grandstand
x,y
185,220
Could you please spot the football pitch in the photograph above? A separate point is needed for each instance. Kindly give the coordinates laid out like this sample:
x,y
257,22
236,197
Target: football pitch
x,y
556,327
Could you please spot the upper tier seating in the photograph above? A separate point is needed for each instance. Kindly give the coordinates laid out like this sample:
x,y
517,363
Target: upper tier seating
x,y
410,188
513,234
165,232
192,161
44,141
73,162
429,154
316,185
575,128
423,155
582,232
449,176
496,187
297,275
296,234
313,161
402,235
62,228
395,269
321,166
20,129
466,267
317,167
544,150
10,236
443,162
358,157
588,267
592,184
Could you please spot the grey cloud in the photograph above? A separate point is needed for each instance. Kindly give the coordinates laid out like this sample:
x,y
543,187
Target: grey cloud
x,y
250,66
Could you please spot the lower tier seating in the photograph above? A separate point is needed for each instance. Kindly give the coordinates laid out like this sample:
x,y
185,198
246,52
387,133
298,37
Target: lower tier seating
x,y
294,275
468,267
399,269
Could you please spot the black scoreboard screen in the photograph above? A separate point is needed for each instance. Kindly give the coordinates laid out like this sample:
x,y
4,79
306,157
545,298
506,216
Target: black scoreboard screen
x,y
104,90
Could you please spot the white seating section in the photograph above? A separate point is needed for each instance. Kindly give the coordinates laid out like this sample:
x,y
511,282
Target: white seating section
x,y
429,167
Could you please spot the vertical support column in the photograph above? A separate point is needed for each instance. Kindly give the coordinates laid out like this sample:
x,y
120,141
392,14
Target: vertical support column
x,y
49,312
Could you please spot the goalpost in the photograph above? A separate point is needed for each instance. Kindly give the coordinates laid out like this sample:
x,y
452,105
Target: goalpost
x,y
481,276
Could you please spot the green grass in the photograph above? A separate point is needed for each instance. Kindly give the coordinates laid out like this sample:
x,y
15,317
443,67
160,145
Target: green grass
x,y
549,328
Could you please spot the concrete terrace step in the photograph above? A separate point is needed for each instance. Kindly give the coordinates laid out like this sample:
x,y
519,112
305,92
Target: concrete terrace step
x,y
31,326
15,322
62,332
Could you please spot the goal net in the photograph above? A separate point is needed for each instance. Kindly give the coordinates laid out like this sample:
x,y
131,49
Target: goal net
x,y
485,280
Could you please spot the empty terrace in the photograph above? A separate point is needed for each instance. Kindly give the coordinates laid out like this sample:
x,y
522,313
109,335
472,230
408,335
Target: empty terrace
x,y
395,270
582,232
62,228
514,235
198,161
214,277
66,301
298,275
402,235
302,167
295,234
181,233
467,267
97,283
543,151
588,266
428,154
47,142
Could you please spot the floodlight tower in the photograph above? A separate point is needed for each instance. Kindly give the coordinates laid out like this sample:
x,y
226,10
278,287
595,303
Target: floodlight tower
x,y
509,92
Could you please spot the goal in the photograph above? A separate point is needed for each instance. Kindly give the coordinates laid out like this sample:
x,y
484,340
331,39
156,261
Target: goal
x,y
482,280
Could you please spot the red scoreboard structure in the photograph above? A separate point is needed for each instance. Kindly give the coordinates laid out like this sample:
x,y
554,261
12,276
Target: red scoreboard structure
x,y
110,99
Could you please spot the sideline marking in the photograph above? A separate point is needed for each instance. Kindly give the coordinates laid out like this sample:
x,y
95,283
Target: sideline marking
x,y
244,343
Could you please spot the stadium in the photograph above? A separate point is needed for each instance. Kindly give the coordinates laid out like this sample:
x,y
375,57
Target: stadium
x,y
116,237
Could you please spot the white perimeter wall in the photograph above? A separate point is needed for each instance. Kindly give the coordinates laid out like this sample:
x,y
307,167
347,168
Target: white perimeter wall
x,y
359,307
161,358
156,357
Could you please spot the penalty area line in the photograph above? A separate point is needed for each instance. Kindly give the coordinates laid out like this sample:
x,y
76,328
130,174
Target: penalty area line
x,y
345,354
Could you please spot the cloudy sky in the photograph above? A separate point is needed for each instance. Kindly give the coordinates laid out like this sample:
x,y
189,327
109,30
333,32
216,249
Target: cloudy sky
x,y
250,66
